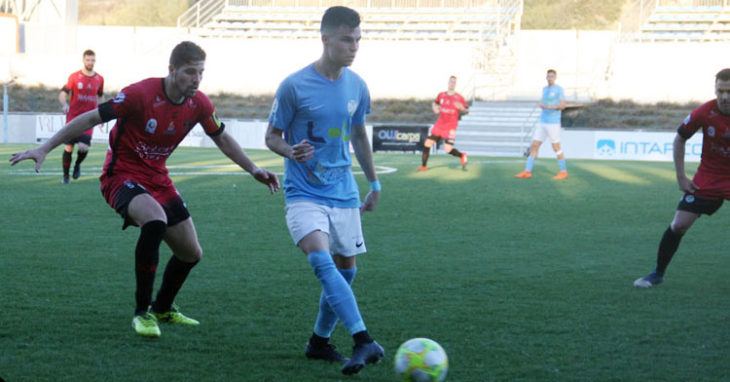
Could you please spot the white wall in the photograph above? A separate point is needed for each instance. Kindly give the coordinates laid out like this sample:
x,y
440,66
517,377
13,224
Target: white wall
x,y
241,66
590,64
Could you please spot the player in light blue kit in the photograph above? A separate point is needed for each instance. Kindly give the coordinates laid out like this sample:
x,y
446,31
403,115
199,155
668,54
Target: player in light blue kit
x,y
552,104
318,111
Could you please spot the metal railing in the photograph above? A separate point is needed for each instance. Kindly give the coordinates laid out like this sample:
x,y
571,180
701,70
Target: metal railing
x,y
635,17
494,43
693,3
361,4
201,13
632,22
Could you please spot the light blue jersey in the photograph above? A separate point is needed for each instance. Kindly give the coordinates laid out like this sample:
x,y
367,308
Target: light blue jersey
x,y
551,96
310,106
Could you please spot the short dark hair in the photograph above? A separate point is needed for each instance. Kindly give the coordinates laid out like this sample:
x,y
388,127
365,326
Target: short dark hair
x,y
452,76
185,53
723,75
89,52
552,71
338,15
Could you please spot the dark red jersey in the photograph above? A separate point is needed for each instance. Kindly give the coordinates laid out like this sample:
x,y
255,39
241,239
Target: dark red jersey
x,y
715,137
448,119
83,93
149,127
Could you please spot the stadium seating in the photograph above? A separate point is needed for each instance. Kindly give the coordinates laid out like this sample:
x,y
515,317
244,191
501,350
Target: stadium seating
x,y
497,128
471,21
707,22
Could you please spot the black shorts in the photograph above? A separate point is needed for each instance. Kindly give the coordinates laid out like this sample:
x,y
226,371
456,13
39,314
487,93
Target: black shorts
x,y
83,138
174,208
438,140
699,205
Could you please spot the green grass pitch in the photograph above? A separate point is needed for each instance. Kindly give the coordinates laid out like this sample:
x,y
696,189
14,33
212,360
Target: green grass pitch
x,y
518,280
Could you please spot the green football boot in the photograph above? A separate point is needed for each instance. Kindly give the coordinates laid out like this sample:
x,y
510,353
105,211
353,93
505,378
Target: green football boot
x,y
146,325
173,316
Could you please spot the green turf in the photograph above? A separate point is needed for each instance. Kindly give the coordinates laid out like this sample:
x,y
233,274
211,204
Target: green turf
x,y
519,280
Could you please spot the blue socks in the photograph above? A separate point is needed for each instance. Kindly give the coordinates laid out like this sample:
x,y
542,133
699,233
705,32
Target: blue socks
x,y
530,163
337,293
327,319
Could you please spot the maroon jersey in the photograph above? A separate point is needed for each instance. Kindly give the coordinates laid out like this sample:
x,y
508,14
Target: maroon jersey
x,y
149,127
448,120
84,92
715,137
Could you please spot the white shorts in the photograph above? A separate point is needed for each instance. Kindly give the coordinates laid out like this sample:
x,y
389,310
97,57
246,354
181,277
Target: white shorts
x,y
543,130
341,224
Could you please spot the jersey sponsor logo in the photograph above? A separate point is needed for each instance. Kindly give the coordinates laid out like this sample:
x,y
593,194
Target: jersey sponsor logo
x,y
351,107
170,129
153,152
119,98
151,126
87,98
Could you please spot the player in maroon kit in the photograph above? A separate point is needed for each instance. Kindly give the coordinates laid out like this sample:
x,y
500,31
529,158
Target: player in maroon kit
x,y
85,88
449,105
153,116
705,193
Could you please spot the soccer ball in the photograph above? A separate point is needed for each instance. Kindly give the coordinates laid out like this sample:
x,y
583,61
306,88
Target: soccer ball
x,y
421,360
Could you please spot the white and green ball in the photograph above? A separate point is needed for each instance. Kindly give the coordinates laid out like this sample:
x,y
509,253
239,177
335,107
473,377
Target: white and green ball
x,y
421,360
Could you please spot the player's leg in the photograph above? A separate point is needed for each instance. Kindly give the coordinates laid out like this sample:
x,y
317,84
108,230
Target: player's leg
x,y
318,346
427,151
690,208
366,350
143,210
81,152
346,242
182,239
450,149
553,131
339,296
534,148
66,161
309,226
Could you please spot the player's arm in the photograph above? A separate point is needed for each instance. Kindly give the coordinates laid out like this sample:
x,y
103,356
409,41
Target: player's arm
x,y
228,146
364,155
685,183
462,106
300,152
72,129
62,99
